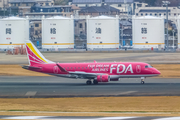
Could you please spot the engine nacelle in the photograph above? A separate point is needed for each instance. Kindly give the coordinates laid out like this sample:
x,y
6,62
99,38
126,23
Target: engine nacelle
x,y
103,78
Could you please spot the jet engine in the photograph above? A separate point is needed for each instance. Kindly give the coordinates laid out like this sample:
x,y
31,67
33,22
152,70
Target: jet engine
x,y
103,78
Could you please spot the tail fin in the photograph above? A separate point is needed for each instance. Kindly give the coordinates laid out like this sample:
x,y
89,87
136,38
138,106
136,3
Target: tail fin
x,y
34,55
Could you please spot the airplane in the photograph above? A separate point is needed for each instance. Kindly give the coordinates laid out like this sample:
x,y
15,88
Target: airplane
x,y
94,72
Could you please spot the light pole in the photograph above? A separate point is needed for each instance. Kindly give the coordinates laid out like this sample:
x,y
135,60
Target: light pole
x,y
173,37
166,4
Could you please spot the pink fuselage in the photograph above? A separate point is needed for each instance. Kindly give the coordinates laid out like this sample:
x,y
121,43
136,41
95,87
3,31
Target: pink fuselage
x,y
115,69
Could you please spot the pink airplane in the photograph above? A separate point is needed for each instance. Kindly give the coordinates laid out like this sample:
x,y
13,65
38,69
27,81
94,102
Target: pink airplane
x,y
96,72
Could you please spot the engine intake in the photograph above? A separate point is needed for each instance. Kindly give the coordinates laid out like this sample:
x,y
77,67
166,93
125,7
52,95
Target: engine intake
x,y
103,78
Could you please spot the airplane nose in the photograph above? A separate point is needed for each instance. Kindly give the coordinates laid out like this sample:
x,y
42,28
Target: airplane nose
x,y
157,72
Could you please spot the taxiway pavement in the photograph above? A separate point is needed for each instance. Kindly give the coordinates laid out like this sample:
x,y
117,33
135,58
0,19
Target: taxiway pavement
x,y
44,87
88,118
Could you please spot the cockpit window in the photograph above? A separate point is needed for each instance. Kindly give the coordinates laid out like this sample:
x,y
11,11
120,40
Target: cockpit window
x,y
148,66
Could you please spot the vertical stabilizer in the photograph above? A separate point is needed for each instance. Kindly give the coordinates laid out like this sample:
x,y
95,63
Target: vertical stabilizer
x,y
34,55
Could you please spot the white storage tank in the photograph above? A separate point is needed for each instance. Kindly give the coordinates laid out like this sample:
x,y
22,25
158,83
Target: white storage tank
x,y
102,32
58,32
13,32
148,32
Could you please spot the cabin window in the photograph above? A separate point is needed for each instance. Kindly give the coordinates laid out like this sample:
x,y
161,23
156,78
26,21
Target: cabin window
x,y
74,67
71,68
82,67
78,67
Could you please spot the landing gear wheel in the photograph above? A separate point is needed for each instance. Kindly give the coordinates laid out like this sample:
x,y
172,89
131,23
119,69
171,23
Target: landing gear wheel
x,y
88,82
142,82
95,82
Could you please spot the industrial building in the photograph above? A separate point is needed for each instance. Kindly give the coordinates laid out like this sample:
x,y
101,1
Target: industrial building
x,y
102,32
148,32
58,33
13,32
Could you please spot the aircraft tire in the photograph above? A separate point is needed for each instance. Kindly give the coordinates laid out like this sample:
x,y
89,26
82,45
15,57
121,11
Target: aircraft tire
x,y
88,82
142,82
95,82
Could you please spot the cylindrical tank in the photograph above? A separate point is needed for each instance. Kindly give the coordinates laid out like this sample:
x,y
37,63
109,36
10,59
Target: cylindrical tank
x,y
148,32
58,32
102,32
13,32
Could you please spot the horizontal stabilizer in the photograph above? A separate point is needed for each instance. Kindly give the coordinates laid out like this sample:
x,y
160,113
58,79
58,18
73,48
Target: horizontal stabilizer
x,y
32,68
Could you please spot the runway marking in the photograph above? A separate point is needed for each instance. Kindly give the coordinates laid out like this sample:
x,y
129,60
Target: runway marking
x,y
24,117
115,118
128,92
169,118
31,93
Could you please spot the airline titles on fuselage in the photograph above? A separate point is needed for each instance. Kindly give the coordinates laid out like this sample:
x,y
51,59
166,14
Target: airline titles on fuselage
x,y
118,68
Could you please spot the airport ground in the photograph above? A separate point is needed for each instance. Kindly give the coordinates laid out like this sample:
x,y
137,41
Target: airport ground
x,y
158,97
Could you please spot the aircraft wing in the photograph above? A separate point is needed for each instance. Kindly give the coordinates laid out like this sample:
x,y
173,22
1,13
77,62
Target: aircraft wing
x,y
80,74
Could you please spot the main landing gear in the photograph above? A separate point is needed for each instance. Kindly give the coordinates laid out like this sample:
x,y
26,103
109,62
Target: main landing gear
x,y
142,80
89,82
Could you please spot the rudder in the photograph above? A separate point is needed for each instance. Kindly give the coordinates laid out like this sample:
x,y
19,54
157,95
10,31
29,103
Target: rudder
x,y
34,55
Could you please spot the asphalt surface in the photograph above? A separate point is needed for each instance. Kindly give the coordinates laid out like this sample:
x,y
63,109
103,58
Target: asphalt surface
x,y
89,118
44,87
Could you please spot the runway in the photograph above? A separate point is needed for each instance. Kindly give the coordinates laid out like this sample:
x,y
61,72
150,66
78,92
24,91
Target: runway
x,y
44,87
87,118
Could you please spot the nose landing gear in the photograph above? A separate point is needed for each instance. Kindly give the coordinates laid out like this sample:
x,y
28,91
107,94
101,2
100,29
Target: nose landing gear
x,y
142,80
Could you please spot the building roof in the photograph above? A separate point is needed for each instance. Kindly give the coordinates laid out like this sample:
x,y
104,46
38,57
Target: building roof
x,y
119,1
154,10
86,1
43,0
20,1
13,18
127,23
58,18
28,1
100,1
103,17
147,17
54,6
97,9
